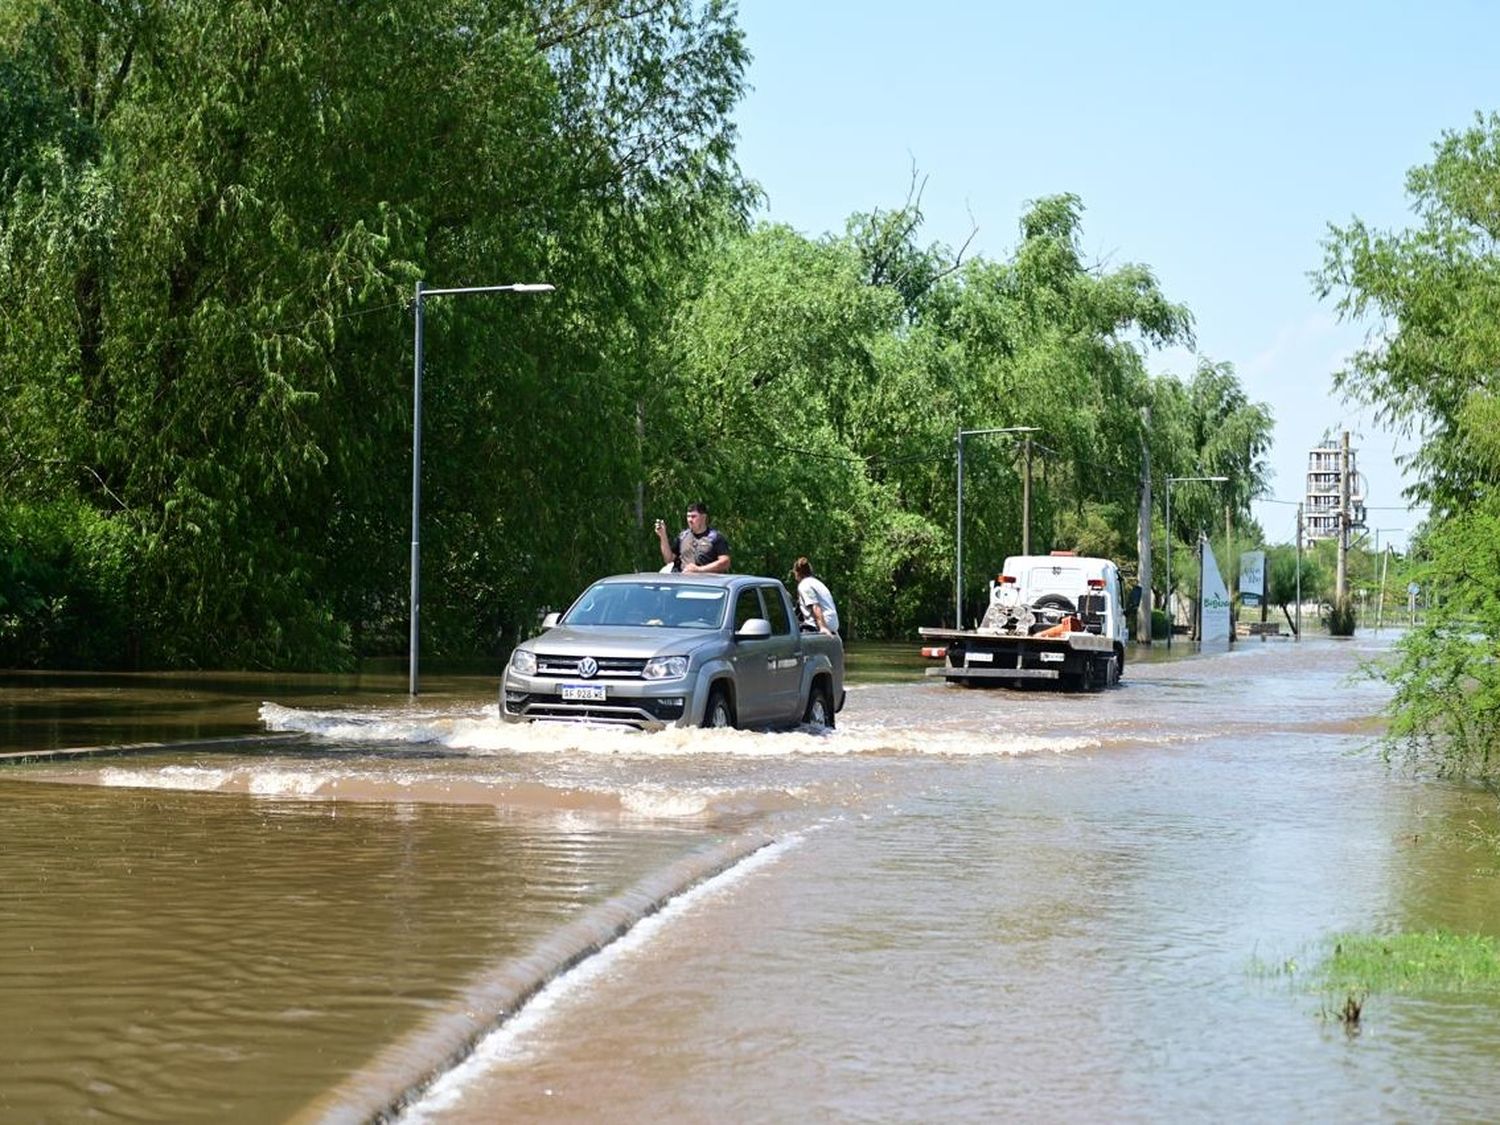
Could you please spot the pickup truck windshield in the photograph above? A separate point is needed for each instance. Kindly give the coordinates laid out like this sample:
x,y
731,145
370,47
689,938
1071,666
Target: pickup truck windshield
x,y
666,605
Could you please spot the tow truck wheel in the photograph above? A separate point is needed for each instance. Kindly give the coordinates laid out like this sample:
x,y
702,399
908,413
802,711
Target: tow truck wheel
x,y
819,707
719,712
1086,681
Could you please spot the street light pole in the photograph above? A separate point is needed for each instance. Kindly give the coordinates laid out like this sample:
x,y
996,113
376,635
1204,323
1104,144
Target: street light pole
x,y
422,293
416,497
958,568
1170,481
1380,602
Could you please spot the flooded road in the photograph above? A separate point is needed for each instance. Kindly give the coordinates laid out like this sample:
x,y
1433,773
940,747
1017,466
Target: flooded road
x,y
973,904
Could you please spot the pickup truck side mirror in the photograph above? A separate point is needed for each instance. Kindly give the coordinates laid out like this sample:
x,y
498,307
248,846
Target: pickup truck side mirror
x,y
550,620
755,629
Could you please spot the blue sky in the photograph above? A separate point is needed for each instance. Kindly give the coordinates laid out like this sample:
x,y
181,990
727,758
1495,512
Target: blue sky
x,y
1213,144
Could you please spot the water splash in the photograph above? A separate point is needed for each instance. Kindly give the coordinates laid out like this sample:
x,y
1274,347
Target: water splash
x,y
481,732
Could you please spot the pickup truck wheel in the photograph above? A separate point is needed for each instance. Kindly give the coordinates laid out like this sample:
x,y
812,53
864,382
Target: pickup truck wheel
x,y
819,707
719,712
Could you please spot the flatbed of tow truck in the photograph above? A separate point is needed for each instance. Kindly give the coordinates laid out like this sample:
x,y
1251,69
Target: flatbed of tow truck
x,y
1084,660
1050,617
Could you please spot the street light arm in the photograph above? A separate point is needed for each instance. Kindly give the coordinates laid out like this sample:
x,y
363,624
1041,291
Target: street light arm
x,y
1002,430
520,287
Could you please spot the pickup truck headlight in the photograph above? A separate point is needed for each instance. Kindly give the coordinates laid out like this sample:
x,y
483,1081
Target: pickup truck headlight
x,y
523,662
665,668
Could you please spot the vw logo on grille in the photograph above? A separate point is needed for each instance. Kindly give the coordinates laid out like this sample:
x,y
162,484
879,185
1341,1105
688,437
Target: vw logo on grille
x,y
588,667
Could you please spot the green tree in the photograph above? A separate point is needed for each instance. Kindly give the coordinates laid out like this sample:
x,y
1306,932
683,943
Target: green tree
x,y
212,220
1284,583
1208,427
1430,367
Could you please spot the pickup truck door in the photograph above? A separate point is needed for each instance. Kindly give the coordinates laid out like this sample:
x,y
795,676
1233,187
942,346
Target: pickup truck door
x,y
752,663
784,661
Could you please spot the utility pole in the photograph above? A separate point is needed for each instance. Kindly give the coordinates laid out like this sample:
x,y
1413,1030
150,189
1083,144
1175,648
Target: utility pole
x,y
1340,591
1143,537
1231,568
1026,498
958,562
1385,566
1299,571
640,485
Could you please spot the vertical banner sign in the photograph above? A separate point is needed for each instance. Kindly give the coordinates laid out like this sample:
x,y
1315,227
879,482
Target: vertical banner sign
x,y
1215,605
1252,577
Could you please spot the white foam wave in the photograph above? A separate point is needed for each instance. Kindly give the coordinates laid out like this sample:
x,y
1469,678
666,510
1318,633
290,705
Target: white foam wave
x,y
196,778
201,779
315,779
508,1041
284,783
666,803
482,732
384,725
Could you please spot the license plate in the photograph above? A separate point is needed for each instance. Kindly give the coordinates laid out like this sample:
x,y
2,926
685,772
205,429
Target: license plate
x,y
587,693
1053,657
981,658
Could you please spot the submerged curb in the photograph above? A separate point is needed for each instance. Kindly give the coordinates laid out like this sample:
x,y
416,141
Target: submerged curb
x,y
400,1073
229,742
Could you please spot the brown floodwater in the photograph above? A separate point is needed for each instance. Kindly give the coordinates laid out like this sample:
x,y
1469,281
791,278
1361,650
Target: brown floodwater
x,y
974,904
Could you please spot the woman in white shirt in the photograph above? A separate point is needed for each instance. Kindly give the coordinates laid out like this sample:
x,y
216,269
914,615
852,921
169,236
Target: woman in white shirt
x,y
814,602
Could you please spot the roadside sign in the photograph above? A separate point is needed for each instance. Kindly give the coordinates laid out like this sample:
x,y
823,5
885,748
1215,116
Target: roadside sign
x,y
1252,577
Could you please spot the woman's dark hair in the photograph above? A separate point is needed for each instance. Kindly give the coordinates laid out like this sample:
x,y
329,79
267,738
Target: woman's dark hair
x,y
802,568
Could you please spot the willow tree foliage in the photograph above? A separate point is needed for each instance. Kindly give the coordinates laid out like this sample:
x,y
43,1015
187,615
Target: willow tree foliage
x,y
1432,294
825,381
212,218
1207,426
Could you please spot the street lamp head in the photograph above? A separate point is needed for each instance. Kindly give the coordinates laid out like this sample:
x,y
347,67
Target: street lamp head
x,y
533,287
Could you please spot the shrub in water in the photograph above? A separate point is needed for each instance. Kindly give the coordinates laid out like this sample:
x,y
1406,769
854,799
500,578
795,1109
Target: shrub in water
x,y
1341,618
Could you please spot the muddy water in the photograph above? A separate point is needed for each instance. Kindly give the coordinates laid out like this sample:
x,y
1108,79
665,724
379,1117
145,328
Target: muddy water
x,y
979,904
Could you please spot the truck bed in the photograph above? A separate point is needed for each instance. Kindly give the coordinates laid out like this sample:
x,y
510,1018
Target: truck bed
x,y
1082,640
1081,659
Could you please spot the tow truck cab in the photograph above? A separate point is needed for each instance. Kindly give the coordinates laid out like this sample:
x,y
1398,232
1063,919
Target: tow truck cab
x,y
1065,580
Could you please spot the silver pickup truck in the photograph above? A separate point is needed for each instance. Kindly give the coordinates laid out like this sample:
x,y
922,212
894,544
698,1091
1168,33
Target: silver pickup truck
x,y
656,650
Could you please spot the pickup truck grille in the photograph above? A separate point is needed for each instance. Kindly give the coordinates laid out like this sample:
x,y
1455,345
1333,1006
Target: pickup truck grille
x,y
610,667
632,712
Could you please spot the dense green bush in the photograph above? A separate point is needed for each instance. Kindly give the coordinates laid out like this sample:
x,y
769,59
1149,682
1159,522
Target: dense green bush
x,y
1341,618
66,594
1445,673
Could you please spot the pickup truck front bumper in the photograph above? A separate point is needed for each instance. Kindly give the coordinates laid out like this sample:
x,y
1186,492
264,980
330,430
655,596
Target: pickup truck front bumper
x,y
641,704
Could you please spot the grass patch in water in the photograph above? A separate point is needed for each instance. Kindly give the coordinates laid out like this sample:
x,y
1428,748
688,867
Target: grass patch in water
x,y
1434,961
1357,966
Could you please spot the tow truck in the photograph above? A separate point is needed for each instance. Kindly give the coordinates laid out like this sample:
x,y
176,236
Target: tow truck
x,y
1059,617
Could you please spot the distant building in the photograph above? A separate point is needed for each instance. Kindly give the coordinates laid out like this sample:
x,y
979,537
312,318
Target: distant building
x,y
1324,486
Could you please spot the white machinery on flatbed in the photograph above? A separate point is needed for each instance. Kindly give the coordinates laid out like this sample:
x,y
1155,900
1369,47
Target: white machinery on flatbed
x,y
1051,617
